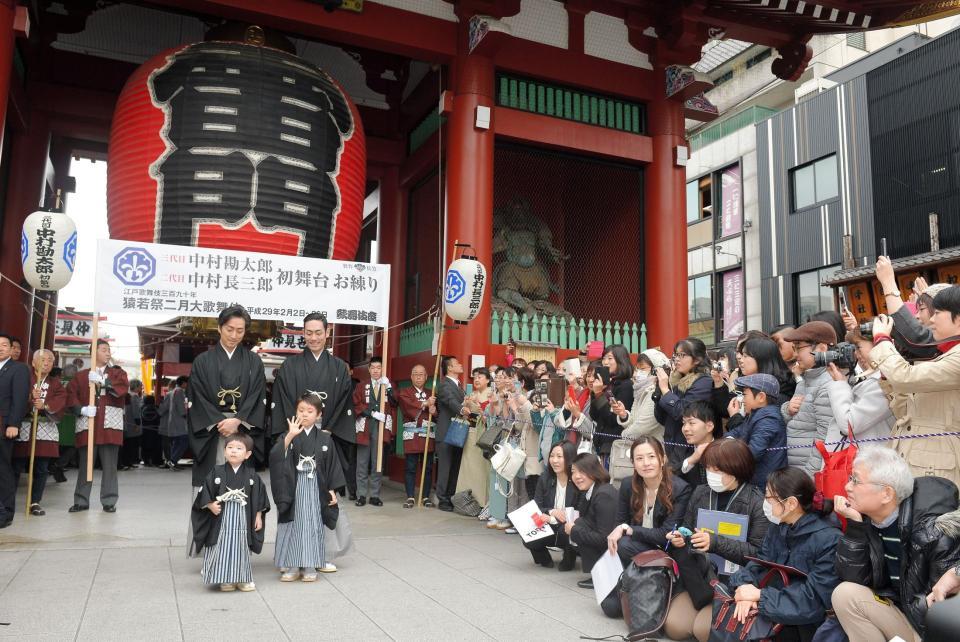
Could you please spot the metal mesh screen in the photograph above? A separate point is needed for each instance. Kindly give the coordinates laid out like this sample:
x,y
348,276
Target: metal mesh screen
x,y
567,237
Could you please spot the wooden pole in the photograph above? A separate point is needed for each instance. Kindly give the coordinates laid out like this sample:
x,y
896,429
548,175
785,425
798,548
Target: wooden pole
x,y
92,421
36,412
383,396
433,393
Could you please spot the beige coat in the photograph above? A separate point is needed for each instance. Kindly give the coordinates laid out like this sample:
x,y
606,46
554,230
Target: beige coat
x,y
928,401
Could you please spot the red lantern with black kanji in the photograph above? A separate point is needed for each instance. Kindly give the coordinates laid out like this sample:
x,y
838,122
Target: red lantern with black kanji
x,y
237,146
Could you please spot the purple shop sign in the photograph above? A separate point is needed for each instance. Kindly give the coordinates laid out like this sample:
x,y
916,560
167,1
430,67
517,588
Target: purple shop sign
x,y
733,316
732,221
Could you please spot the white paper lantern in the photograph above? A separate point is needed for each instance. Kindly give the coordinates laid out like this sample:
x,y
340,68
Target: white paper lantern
x,y
463,289
48,250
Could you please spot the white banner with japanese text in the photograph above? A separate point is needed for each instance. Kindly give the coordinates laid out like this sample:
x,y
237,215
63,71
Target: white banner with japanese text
x,y
178,280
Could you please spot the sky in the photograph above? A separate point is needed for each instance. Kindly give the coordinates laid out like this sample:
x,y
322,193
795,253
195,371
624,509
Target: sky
x,y
88,209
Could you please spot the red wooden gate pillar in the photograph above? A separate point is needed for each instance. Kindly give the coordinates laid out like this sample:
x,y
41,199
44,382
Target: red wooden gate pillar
x,y
393,250
470,184
29,152
665,228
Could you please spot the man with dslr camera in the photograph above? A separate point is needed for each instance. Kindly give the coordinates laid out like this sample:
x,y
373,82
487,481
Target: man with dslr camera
x,y
929,390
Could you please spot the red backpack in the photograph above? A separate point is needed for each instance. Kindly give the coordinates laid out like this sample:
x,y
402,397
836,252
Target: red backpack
x,y
837,467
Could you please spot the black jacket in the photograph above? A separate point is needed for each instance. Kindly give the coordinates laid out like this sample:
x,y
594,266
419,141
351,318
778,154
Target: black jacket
x,y
927,552
603,418
14,394
547,491
598,516
749,502
663,522
669,412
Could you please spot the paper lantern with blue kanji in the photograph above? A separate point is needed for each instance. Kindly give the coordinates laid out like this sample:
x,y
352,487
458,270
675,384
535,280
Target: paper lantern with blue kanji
x,y
48,250
463,289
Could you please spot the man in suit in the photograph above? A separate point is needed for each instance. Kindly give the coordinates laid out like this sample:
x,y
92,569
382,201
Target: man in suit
x,y
449,404
14,398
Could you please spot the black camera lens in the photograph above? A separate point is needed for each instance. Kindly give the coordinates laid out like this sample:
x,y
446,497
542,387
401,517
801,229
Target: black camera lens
x,y
866,330
843,354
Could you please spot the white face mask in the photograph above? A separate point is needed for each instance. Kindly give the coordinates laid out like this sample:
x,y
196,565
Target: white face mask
x,y
768,512
715,482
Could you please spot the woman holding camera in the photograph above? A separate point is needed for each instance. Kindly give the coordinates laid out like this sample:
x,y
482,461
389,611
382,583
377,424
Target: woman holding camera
x,y
511,410
929,389
619,387
689,381
858,401
729,465
474,468
640,419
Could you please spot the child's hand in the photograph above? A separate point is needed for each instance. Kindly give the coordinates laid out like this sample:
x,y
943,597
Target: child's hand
x,y
294,426
333,499
258,522
214,507
733,408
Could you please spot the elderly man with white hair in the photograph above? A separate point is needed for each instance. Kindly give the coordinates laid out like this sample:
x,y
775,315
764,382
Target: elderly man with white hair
x,y
895,548
49,398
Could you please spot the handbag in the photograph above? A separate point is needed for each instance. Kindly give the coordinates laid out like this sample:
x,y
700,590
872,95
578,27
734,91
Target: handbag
x,y
507,461
464,503
338,541
756,628
457,433
621,466
644,593
490,435
837,467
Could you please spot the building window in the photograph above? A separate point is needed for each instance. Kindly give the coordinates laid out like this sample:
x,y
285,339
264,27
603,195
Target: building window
x,y
760,57
700,307
857,40
812,297
719,80
693,202
700,199
814,183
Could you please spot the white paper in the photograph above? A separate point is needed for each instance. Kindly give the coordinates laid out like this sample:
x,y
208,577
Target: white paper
x,y
606,573
522,520
572,368
572,513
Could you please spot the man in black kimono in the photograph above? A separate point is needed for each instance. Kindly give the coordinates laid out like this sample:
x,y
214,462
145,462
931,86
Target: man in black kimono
x,y
227,388
316,370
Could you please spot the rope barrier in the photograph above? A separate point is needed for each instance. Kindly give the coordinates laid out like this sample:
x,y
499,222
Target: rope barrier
x,y
510,424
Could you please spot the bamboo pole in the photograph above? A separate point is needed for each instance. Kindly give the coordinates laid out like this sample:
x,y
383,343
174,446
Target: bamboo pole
x,y
36,411
383,396
433,394
92,421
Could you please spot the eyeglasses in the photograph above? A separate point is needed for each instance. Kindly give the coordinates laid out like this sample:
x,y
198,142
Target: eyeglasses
x,y
800,346
680,355
856,481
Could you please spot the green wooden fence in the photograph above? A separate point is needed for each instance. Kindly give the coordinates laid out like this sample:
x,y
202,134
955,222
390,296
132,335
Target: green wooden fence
x,y
416,338
569,334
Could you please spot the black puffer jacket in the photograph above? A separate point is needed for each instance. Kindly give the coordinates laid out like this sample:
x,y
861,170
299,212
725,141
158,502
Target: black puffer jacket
x,y
927,551
749,502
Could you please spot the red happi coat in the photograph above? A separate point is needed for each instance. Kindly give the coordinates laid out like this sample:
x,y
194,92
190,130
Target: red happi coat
x,y
54,397
409,401
111,401
364,402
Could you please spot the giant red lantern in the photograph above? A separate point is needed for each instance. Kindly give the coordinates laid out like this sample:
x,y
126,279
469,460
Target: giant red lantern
x,y
237,146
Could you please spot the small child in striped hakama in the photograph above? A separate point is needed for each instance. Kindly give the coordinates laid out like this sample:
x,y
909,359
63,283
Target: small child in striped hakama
x,y
304,475
228,517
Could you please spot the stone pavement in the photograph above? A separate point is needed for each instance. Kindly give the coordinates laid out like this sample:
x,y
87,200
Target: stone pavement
x,y
418,574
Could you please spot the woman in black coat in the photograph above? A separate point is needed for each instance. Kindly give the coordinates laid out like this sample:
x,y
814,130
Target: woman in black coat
x,y
689,381
616,359
729,466
650,505
597,508
555,492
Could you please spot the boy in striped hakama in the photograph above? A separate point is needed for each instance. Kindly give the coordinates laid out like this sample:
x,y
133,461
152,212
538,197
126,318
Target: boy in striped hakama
x,y
305,474
227,517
